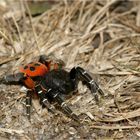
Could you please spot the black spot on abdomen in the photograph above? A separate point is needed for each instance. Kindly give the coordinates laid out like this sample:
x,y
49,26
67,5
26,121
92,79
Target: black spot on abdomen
x,y
36,64
25,67
32,68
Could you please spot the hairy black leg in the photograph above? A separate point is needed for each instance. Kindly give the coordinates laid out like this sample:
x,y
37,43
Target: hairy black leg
x,y
43,99
57,64
65,107
28,103
44,60
79,72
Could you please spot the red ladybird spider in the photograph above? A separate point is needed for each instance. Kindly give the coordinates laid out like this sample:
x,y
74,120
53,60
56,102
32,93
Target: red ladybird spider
x,y
50,81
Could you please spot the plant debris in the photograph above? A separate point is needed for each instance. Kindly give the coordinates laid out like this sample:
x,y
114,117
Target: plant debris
x,y
103,37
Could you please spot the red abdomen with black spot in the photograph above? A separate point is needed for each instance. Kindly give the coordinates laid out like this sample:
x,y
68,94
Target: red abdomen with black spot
x,y
32,70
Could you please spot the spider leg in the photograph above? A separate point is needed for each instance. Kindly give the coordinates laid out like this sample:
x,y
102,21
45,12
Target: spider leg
x,y
44,60
14,79
57,64
42,95
28,103
79,72
64,106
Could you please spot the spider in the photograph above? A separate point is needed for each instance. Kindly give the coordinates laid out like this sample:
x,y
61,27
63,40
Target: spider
x,y
50,82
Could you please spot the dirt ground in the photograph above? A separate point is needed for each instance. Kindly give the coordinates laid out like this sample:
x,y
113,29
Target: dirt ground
x,y
103,37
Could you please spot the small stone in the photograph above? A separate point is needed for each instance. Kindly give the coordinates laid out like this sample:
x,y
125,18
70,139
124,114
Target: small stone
x,y
72,131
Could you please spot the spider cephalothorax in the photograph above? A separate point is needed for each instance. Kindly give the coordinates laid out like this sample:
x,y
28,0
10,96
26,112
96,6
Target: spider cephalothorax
x,y
50,81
